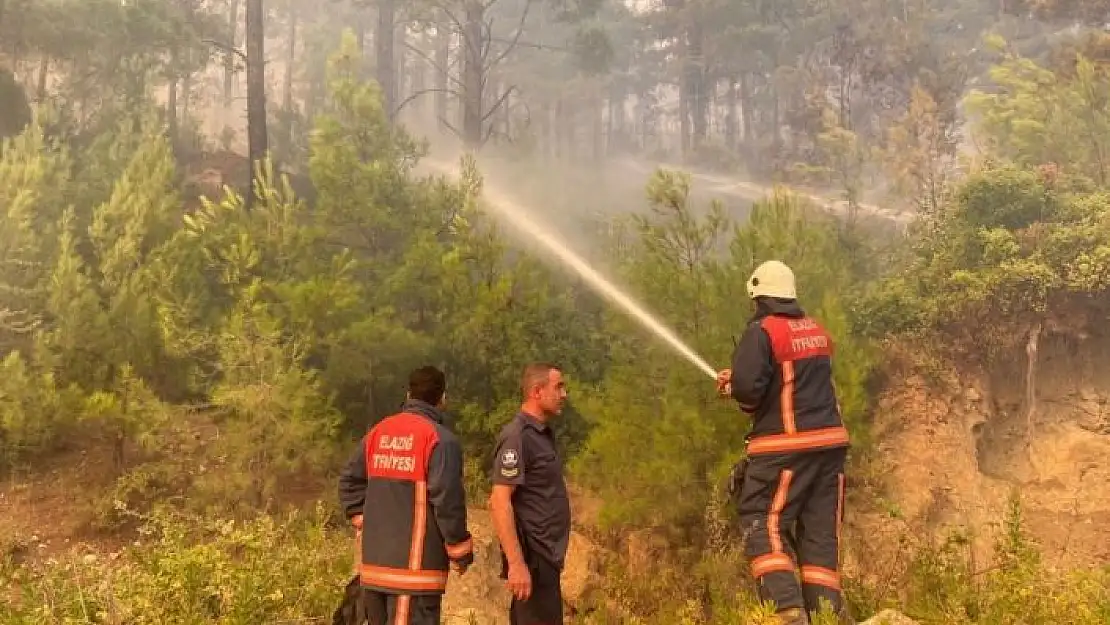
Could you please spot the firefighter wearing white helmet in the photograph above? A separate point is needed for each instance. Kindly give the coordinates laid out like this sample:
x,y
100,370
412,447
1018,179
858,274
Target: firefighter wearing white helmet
x,y
772,279
793,474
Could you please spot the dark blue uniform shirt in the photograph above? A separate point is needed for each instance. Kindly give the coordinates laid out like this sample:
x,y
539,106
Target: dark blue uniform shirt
x,y
526,457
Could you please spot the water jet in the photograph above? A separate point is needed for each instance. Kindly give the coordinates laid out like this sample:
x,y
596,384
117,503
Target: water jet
x,y
515,214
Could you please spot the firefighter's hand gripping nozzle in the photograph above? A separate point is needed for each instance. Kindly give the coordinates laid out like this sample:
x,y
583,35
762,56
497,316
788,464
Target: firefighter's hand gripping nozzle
x,y
724,383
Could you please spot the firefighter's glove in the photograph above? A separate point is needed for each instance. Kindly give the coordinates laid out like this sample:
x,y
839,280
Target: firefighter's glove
x,y
724,382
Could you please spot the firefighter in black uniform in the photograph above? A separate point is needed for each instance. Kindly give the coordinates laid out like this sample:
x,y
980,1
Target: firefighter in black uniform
x,y
529,502
403,489
791,487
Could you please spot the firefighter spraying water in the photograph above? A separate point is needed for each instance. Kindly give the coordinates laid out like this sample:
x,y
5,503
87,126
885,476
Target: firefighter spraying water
x,y
789,490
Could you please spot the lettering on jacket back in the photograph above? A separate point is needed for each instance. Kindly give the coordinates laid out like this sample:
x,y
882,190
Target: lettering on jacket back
x,y
797,339
399,450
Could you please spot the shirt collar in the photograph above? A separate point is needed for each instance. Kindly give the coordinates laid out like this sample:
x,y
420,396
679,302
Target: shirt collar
x,y
532,421
423,408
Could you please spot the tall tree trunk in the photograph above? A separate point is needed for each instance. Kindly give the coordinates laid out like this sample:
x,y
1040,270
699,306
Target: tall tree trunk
x,y
683,106
402,79
542,130
489,98
746,105
443,54
386,62
732,106
229,59
597,111
290,58
682,53
171,110
569,124
619,127
698,96
473,78
776,126
557,129
419,71
256,90
186,95
287,86
506,118
44,73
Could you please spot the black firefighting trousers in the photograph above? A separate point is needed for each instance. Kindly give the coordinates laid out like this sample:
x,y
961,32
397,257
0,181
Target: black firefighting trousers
x,y
388,609
791,507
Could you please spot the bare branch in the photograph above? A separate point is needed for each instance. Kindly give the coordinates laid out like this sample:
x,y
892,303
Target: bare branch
x,y
487,42
500,101
492,130
226,47
424,55
473,46
442,6
516,36
425,92
449,126
530,44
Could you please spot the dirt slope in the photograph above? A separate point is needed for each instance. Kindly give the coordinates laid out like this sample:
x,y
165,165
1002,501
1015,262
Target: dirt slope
x,y
957,452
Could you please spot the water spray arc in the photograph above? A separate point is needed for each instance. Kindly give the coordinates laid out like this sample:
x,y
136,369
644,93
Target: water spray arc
x,y
513,213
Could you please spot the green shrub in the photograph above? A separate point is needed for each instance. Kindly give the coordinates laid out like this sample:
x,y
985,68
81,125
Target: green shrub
x,y
189,570
939,586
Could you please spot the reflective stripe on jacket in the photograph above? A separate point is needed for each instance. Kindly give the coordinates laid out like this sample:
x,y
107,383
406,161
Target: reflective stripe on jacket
x,y
406,481
782,375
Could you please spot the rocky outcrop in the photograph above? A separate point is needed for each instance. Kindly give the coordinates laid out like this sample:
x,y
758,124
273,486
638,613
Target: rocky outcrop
x,y
954,451
889,617
479,596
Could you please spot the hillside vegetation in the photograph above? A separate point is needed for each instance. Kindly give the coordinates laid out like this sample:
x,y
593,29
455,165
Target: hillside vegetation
x,y
184,372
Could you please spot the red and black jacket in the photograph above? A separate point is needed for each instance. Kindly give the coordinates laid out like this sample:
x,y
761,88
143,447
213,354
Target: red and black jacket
x,y
782,375
406,482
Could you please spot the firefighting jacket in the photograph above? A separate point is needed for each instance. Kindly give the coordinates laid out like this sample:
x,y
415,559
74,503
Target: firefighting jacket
x,y
782,375
406,482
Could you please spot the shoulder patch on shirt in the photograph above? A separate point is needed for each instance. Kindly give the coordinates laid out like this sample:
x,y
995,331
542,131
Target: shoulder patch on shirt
x,y
509,460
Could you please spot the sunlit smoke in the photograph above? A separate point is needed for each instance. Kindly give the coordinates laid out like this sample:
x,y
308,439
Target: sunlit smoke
x,y
515,214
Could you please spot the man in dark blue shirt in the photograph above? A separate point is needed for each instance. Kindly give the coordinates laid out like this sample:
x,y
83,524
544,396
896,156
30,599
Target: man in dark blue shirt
x,y
529,502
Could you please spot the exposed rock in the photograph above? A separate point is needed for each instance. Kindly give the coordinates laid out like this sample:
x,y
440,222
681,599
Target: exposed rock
x,y
1092,415
953,451
479,597
889,617
580,572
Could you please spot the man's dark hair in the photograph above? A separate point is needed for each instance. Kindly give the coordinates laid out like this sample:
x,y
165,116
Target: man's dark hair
x,y
427,384
536,373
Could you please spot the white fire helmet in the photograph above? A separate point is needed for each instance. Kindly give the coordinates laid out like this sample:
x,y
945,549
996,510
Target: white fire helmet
x,y
772,279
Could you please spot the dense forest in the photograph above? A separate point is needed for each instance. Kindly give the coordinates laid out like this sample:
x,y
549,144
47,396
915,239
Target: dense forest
x,y
222,251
